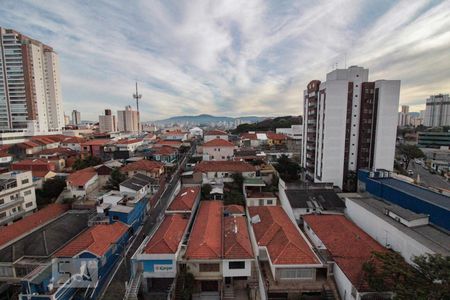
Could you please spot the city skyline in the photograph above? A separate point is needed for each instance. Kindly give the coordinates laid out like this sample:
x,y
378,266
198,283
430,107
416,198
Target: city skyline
x,y
229,57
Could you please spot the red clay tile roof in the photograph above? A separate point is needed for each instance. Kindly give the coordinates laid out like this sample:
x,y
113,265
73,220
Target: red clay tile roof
x,y
59,150
96,240
176,144
27,145
216,132
234,209
218,143
21,227
205,241
349,245
73,140
224,166
81,177
165,150
38,164
128,141
276,136
285,244
250,136
143,165
97,142
185,199
237,243
168,236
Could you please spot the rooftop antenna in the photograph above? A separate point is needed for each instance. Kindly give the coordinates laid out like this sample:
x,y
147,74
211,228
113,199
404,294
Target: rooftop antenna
x,y
137,96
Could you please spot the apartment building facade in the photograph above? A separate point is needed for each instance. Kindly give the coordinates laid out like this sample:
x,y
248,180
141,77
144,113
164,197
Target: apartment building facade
x,y
30,88
128,120
107,123
350,123
437,112
17,196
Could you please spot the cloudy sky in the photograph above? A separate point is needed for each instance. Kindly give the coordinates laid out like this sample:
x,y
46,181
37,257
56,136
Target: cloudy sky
x,y
232,58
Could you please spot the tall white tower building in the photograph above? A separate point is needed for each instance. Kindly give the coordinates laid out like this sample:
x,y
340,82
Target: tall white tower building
x,y
128,120
29,84
349,123
107,123
437,112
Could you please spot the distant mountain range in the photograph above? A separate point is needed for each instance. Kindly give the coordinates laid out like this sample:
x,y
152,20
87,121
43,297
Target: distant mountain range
x,y
207,119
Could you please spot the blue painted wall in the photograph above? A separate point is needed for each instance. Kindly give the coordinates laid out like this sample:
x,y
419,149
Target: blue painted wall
x,y
438,215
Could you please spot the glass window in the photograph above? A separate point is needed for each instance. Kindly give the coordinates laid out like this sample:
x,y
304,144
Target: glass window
x,y
232,265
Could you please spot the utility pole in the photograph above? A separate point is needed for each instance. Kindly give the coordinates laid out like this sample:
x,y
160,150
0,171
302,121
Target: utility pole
x,y
137,96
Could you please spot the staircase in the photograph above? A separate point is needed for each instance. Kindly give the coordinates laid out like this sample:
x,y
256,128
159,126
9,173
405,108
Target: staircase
x,y
178,294
132,289
228,292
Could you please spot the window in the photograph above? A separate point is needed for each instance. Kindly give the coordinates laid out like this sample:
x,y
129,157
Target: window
x,y
115,218
25,181
233,265
29,204
269,202
209,268
3,214
2,201
26,193
261,202
296,273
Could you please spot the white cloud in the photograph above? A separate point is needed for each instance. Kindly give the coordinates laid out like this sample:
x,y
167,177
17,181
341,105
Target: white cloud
x,y
232,57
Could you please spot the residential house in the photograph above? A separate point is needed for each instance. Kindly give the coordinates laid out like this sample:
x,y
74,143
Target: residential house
x,y
175,135
96,148
150,168
289,266
256,194
41,169
165,154
214,134
82,182
221,171
347,248
73,142
186,200
218,149
276,139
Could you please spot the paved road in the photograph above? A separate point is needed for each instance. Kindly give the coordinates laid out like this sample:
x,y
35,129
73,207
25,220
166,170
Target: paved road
x,y
428,179
116,289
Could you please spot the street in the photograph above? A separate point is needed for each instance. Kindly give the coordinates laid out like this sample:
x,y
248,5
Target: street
x,y
121,274
426,178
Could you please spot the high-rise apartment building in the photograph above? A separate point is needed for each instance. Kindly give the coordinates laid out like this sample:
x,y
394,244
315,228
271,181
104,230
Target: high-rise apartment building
x,y
349,123
437,112
76,117
107,123
29,84
128,120
404,118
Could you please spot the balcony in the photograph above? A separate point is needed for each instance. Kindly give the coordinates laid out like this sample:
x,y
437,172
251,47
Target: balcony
x,y
16,201
12,217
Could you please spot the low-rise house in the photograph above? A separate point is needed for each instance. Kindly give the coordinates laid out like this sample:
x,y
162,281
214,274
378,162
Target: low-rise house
x,y
215,134
397,228
96,148
276,138
171,143
255,193
41,169
221,171
158,255
175,135
17,196
149,168
186,200
250,139
218,149
298,199
82,182
289,266
73,142
124,148
348,247
102,244
218,251
165,154
140,185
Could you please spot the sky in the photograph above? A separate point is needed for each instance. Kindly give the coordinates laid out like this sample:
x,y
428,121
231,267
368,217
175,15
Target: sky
x,y
232,58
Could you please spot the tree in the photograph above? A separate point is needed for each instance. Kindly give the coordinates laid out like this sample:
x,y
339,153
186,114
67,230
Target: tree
x,y
115,179
410,152
238,180
51,189
89,161
288,169
429,279
206,191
